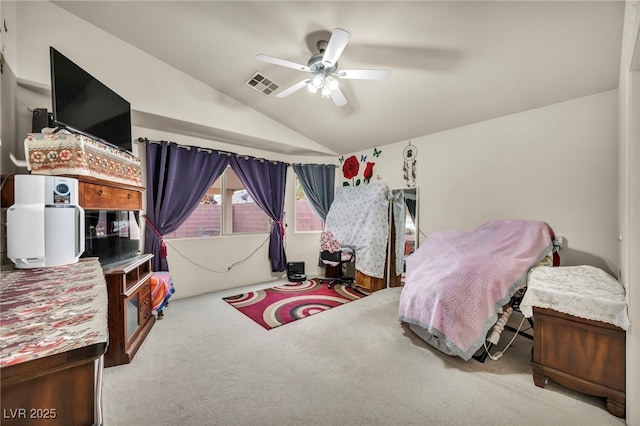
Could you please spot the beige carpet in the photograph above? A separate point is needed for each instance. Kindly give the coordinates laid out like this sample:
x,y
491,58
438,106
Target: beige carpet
x,y
206,363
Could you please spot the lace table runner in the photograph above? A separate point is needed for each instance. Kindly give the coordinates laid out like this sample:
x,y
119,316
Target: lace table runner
x,y
582,291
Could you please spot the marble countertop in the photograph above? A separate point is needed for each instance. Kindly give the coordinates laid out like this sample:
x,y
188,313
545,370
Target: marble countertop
x,y
47,311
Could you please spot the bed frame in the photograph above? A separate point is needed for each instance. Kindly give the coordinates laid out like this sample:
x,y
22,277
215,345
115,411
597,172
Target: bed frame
x,y
515,305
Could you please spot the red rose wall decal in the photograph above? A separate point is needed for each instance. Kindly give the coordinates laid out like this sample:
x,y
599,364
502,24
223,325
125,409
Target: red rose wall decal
x,y
368,171
351,167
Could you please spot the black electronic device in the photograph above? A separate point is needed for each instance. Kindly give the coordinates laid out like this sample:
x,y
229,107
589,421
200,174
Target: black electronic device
x,y
40,119
295,271
82,104
113,236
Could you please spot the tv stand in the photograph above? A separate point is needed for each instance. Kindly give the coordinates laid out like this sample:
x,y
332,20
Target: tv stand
x,y
128,283
130,309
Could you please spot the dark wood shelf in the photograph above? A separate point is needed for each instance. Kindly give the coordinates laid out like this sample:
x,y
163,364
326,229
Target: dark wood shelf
x,y
130,308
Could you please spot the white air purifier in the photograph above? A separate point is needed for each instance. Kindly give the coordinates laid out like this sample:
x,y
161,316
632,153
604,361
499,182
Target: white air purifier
x,y
45,226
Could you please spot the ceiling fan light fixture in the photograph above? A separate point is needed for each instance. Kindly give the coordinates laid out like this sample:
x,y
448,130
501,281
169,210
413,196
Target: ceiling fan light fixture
x,y
317,81
323,67
332,83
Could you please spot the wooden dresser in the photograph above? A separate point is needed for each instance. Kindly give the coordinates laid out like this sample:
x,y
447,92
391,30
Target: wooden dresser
x,y
95,194
54,333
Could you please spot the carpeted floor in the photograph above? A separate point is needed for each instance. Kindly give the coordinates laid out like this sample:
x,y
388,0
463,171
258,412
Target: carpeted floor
x,y
285,303
204,364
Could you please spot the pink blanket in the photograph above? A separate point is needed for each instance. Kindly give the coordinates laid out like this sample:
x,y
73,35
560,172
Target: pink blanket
x,y
457,280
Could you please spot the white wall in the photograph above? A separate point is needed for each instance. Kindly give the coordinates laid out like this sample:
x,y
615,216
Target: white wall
x,y
629,197
8,89
557,164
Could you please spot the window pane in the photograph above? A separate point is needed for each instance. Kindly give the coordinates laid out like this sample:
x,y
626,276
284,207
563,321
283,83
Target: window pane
x,y
230,201
306,218
205,220
246,215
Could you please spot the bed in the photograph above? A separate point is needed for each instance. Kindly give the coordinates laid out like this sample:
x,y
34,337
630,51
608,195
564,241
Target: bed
x,y
457,282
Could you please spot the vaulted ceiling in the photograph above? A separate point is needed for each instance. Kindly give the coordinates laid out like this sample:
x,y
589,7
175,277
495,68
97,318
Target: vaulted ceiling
x,y
452,63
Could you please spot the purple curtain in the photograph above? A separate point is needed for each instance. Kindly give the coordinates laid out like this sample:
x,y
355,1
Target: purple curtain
x,y
265,181
177,179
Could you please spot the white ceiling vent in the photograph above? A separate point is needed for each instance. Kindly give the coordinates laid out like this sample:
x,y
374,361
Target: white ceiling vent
x,y
262,84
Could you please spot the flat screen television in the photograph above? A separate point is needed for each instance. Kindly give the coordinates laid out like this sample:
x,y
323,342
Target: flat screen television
x,y
84,105
113,236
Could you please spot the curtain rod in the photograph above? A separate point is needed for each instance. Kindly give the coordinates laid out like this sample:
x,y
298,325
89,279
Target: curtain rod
x,y
246,157
312,164
144,140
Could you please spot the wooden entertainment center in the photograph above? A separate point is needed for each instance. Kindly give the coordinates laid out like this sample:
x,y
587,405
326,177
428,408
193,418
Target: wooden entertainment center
x,y
130,316
128,284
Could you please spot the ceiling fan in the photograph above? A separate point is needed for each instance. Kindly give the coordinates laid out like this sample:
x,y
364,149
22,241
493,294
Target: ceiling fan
x,y
323,67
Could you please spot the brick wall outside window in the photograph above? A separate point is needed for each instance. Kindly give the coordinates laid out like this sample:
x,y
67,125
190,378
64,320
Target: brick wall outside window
x,y
306,219
205,220
250,218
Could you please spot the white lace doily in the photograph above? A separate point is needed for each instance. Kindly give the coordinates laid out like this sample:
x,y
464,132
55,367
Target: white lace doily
x,y
582,291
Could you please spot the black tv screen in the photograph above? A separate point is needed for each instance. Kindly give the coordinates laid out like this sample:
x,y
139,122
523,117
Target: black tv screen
x,y
84,105
113,236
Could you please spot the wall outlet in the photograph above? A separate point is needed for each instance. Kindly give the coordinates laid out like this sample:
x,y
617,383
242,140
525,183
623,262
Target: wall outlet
x,y
561,241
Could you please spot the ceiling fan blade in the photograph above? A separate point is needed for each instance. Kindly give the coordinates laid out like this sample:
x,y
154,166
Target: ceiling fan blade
x,y
364,74
299,85
338,98
337,43
282,62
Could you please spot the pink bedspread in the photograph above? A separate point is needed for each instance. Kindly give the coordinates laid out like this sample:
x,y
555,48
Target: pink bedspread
x,y
457,280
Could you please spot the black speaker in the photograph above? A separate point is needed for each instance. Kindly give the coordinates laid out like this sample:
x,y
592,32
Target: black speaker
x,y
39,120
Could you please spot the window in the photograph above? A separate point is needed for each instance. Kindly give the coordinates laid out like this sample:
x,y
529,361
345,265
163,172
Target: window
x,y
306,219
227,208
